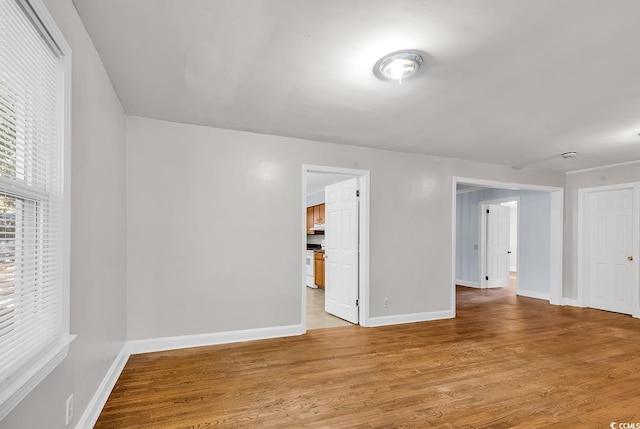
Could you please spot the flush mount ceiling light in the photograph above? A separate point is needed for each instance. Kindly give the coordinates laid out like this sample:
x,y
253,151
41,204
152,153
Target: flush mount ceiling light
x,y
569,155
398,66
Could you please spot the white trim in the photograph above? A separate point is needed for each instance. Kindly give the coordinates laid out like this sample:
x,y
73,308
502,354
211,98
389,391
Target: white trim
x,y
454,241
364,231
602,167
504,185
571,302
583,292
467,283
99,399
198,340
26,381
34,374
534,294
50,25
580,263
556,227
469,190
556,233
398,319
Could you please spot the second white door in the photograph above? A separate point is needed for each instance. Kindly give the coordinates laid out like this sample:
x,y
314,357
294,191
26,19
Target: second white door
x,y
341,250
497,239
609,250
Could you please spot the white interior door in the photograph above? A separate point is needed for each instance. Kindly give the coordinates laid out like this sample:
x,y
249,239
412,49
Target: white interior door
x,y
341,250
609,250
497,252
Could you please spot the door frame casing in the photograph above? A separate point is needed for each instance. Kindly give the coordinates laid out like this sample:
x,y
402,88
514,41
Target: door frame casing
x,y
482,244
363,232
583,288
556,195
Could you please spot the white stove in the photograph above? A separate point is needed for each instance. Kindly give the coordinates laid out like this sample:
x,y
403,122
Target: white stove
x,y
310,273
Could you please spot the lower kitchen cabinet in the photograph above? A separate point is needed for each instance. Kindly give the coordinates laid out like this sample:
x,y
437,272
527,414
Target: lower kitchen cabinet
x,y
318,259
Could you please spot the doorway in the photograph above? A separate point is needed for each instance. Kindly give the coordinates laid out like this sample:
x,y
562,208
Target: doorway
x,y
542,276
498,248
608,248
316,303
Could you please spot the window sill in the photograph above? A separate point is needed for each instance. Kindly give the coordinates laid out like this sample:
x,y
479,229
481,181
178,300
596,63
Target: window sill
x,y
19,388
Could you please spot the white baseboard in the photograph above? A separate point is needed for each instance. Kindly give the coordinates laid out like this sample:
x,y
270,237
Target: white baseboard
x,y
410,318
571,302
467,283
534,294
92,412
199,340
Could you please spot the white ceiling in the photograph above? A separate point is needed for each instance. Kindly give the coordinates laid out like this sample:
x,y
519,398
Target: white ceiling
x,y
514,82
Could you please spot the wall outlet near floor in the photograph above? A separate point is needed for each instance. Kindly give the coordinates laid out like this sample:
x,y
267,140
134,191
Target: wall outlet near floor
x,y
386,303
69,410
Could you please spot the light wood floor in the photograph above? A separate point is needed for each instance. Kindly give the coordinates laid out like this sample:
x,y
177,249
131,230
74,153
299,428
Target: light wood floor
x,y
505,361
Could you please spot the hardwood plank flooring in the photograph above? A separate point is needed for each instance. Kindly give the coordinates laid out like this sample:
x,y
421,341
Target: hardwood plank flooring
x,y
505,361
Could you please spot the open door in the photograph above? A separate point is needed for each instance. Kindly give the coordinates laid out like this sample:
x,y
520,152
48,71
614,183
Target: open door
x,y
341,250
498,224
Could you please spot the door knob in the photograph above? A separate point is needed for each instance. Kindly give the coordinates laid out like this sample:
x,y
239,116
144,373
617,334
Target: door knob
x,y
629,258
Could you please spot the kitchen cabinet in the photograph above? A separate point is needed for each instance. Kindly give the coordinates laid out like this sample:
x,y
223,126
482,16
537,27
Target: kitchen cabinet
x,y
318,259
318,214
315,216
309,220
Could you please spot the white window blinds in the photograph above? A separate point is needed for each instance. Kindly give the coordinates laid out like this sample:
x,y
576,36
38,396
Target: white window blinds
x,y
31,185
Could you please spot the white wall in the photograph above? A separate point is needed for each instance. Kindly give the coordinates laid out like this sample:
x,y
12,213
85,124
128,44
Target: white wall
x,y
586,179
467,238
192,231
198,196
98,229
315,198
535,224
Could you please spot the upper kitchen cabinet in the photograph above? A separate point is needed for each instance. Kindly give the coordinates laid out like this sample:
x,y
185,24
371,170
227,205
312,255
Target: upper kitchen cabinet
x,y
309,220
318,214
315,219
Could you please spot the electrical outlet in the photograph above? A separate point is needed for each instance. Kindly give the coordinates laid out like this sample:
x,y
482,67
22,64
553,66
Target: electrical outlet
x,y
386,303
69,410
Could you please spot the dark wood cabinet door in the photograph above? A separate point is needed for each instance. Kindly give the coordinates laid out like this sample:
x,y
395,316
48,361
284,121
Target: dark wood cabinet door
x,y
321,213
318,269
309,220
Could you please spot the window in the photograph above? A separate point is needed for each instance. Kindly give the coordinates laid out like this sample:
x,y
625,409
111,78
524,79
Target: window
x,y
34,321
